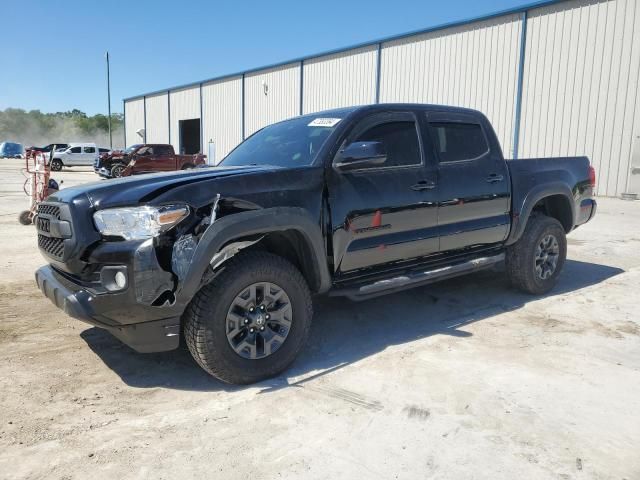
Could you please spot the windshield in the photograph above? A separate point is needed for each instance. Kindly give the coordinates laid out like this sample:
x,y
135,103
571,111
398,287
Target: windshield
x,y
132,148
293,143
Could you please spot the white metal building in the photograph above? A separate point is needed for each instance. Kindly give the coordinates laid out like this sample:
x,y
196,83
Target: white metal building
x,y
556,78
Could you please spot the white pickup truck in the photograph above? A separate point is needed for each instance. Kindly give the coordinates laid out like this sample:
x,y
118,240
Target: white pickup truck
x,y
77,154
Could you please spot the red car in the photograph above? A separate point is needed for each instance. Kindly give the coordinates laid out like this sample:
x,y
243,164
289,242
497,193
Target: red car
x,y
145,158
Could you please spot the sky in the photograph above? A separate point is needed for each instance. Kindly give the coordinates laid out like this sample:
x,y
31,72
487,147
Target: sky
x,y
52,52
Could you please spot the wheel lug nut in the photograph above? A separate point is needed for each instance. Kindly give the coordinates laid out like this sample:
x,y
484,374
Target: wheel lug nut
x,y
246,320
251,330
251,309
267,316
262,307
262,329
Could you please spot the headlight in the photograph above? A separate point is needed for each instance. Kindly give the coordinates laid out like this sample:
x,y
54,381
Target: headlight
x,y
139,222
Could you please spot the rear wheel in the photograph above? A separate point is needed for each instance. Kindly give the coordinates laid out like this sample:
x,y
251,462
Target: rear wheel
x,y
536,260
56,165
251,322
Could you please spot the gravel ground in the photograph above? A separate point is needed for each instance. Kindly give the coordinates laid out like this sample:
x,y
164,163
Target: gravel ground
x,y
463,379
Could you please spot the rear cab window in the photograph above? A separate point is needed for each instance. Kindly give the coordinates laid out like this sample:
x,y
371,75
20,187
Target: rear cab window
x,y
457,138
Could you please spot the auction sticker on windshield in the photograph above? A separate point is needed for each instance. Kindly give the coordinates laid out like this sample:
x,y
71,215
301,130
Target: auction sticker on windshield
x,y
324,122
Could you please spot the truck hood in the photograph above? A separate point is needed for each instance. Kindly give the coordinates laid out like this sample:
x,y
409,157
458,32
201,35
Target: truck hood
x,y
112,155
145,188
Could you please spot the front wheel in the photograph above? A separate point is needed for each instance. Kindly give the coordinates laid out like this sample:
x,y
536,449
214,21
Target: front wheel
x,y
535,261
251,322
56,165
116,171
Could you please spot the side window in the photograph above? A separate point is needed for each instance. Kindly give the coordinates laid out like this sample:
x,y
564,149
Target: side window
x,y
163,150
145,151
455,142
89,150
400,140
75,149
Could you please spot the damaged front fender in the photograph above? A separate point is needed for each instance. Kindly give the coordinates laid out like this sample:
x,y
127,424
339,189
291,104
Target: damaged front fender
x,y
227,235
152,283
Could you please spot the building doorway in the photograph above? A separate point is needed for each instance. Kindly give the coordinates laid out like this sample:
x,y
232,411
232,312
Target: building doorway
x,y
190,136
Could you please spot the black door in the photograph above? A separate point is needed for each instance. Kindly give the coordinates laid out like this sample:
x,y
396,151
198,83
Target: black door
x,y
189,136
386,213
473,185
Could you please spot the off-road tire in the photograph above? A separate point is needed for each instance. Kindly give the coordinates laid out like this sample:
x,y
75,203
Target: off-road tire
x,y
25,217
56,165
116,170
520,257
204,320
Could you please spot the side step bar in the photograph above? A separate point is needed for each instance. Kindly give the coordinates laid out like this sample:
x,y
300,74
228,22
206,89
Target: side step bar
x,y
416,278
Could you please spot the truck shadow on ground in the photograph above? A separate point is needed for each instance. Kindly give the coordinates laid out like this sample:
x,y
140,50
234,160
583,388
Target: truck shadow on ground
x,y
344,332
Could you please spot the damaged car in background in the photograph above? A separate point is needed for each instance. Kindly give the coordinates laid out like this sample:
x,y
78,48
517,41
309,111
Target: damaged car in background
x,y
356,202
145,158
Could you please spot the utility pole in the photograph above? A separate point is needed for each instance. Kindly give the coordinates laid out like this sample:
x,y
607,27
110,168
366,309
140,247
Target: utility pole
x,y
109,101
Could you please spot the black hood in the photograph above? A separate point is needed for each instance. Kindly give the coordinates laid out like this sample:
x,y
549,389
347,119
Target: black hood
x,y
145,188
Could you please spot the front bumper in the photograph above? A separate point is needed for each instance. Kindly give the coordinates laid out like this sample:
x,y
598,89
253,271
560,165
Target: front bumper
x,y
103,172
83,304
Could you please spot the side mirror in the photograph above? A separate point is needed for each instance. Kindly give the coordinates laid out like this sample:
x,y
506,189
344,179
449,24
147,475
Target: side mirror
x,y
361,155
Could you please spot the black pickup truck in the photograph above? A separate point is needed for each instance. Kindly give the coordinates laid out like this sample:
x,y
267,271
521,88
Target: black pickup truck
x,y
355,202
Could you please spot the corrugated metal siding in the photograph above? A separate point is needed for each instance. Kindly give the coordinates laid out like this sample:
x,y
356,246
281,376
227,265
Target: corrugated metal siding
x,y
184,105
157,119
340,80
222,115
281,101
581,84
472,66
134,114
581,80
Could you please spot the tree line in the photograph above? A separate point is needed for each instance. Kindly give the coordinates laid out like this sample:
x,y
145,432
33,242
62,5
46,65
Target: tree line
x,y
37,128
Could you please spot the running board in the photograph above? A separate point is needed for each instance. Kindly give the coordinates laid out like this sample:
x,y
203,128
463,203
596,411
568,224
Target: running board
x,y
416,278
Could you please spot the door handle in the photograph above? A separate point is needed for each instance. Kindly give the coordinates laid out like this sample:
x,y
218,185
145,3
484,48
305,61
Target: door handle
x,y
423,185
494,178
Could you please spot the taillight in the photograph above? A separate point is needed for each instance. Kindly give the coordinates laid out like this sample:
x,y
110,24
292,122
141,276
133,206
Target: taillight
x,y
592,176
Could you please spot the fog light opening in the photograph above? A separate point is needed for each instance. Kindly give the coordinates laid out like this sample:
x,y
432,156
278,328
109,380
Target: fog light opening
x,y
121,280
113,278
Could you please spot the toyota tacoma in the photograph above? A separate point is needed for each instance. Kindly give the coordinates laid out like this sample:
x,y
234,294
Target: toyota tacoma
x,y
354,202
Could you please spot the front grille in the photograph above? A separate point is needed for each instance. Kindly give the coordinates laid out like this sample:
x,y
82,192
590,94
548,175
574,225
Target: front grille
x,y
55,234
44,225
53,246
52,210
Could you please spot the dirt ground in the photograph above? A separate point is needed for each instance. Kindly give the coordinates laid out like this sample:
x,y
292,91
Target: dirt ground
x,y
464,379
